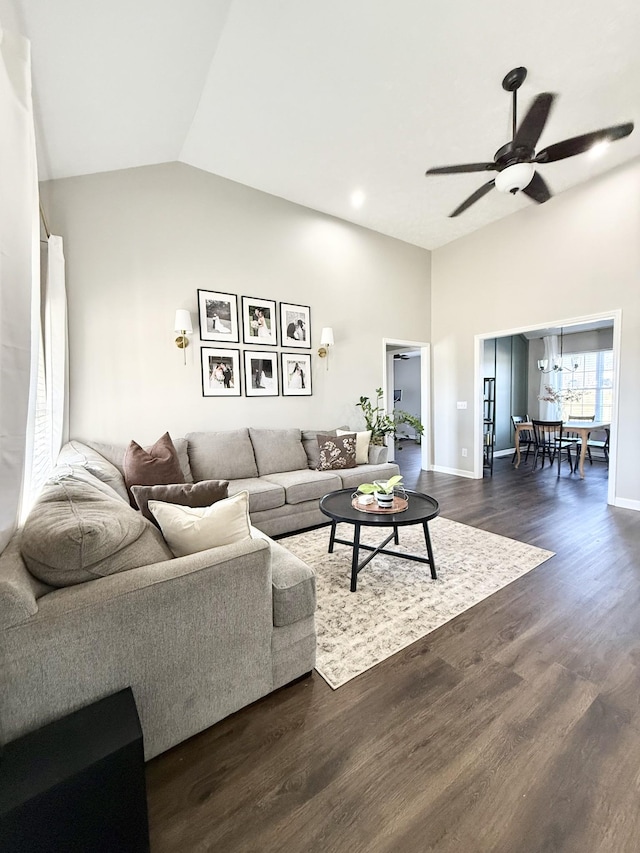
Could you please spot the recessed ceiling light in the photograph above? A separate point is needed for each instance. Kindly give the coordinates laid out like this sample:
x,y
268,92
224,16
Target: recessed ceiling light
x,y
598,149
357,198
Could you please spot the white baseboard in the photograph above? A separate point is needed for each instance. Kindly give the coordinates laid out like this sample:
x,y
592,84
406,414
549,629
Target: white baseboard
x,y
457,472
624,503
508,452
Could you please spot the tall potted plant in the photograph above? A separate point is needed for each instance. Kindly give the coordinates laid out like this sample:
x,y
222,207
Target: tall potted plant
x,y
382,423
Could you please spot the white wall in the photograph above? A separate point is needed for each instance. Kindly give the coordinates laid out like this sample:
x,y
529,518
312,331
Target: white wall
x,y
140,242
576,255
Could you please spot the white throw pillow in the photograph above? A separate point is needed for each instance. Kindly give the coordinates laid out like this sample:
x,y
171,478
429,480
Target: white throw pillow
x,y
362,444
190,529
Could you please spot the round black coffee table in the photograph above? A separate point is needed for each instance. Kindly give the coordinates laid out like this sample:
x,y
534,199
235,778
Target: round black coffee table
x,y
421,509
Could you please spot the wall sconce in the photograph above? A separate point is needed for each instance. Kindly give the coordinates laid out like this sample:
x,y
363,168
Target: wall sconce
x,y
183,325
326,341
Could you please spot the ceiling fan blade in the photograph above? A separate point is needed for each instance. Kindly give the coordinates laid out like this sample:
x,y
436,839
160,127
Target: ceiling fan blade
x,y
580,144
537,189
532,125
467,167
483,190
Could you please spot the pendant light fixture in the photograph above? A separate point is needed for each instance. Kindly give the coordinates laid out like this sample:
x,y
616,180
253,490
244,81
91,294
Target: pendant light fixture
x,y
556,367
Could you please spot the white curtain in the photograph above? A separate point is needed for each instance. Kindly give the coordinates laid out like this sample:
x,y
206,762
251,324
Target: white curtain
x,y
19,268
549,411
47,428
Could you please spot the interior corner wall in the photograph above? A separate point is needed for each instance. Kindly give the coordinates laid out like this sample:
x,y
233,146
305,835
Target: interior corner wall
x,y
140,242
575,256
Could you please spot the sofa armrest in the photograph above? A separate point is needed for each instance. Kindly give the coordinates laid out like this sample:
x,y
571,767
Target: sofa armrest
x,y
378,453
191,636
129,582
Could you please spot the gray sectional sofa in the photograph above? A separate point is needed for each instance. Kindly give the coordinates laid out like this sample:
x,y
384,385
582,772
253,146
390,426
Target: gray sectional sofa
x,y
196,637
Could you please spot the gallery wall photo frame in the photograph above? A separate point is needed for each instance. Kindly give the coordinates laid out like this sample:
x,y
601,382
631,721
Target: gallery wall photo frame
x,y
220,372
295,325
296,374
218,315
261,373
259,321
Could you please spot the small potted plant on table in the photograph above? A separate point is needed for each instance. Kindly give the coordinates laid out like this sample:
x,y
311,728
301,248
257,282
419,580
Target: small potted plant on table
x,y
382,490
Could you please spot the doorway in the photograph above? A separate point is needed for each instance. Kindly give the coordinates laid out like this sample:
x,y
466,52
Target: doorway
x,y
573,326
416,393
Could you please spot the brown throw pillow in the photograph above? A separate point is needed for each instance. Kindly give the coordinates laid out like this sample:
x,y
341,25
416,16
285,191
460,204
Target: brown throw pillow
x,y
194,495
337,452
157,466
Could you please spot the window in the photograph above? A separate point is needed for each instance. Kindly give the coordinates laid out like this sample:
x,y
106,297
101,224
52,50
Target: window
x,y
594,378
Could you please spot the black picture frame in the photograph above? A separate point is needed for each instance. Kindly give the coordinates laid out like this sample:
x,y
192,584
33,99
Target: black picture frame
x,y
295,325
296,374
215,361
261,373
259,321
218,316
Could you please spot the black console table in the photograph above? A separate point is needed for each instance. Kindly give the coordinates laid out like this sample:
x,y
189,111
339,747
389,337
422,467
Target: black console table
x,y
77,784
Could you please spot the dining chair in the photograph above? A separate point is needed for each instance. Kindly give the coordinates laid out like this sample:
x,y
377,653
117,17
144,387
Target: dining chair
x,y
598,444
525,437
549,442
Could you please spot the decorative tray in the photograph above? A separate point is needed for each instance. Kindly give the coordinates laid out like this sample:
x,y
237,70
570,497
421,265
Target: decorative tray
x,y
399,505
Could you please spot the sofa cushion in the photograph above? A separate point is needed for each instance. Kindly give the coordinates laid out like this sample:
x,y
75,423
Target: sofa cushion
x,y
337,452
200,494
190,529
262,493
301,486
363,439
77,531
221,455
293,585
114,453
75,453
278,450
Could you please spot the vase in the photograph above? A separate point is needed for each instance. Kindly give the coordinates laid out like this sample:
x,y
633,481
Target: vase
x,y
384,500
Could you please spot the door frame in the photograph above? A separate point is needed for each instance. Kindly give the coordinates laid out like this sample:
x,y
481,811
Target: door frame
x,y
616,317
389,345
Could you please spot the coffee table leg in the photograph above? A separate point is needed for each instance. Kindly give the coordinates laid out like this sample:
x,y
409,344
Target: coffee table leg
x,y
396,541
427,539
354,557
332,537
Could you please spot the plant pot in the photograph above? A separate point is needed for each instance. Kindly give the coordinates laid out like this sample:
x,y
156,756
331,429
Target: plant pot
x,y
383,500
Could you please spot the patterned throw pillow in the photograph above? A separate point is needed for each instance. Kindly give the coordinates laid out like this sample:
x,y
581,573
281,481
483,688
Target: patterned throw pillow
x,y
337,452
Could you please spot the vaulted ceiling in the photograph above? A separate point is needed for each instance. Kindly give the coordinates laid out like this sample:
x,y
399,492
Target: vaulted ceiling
x,y
311,101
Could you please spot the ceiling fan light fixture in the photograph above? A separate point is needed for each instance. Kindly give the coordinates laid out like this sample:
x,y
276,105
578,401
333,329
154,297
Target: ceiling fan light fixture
x,y
598,149
514,178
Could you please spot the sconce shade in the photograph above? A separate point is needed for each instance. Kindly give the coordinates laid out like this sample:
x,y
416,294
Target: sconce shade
x,y
326,338
183,321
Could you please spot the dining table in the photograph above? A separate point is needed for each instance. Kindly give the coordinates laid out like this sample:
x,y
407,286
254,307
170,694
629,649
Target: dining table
x,y
583,428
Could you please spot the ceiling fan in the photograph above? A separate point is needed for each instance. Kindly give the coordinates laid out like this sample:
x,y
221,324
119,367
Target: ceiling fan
x,y
515,162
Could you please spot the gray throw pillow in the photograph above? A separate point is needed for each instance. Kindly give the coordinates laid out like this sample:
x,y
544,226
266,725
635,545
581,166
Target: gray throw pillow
x,y
337,452
194,495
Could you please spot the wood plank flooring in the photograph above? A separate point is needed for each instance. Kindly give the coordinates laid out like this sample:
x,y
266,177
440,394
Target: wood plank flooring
x,y
514,728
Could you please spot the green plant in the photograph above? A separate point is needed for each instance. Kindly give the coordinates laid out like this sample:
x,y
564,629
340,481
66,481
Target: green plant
x,y
381,423
384,486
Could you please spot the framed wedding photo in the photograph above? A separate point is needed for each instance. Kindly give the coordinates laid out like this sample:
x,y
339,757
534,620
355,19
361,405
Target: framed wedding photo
x,y
295,325
220,372
260,373
218,313
259,321
296,374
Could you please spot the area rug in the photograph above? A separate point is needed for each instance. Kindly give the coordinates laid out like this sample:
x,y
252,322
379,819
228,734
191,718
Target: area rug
x,y
397,602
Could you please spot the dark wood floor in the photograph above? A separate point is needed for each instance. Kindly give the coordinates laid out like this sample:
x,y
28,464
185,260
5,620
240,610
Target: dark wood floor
x,y
515,728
